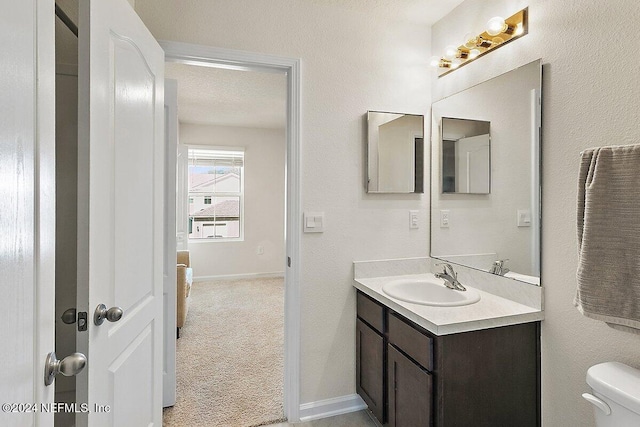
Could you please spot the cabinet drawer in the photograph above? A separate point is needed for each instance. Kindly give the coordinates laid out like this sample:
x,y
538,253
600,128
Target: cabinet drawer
x,y
410,340
371,312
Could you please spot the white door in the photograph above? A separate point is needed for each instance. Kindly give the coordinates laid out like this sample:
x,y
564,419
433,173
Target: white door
x,y
120,215
170,273
27,209
474,159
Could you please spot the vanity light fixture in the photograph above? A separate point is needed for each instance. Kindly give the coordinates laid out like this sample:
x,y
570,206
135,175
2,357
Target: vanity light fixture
x,y
499,32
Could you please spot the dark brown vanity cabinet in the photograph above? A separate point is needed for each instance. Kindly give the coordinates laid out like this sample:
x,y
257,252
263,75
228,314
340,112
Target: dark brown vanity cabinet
x,y
370,354
410,391
489,377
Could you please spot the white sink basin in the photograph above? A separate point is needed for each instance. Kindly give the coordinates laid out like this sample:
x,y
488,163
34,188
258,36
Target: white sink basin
x,y
429,291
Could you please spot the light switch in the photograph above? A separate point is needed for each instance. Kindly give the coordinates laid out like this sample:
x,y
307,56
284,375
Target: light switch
x,y
524,218
413,219
313,222
444,218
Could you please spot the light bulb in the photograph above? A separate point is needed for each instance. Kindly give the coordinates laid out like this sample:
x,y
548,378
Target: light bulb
x,y
519,29
496,25
455,62
450,51
497,40
469,41
434,61
473,53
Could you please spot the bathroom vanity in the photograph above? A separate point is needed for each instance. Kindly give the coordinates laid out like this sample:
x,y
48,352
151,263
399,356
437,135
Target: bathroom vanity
x,y
470,365
442,356
411,377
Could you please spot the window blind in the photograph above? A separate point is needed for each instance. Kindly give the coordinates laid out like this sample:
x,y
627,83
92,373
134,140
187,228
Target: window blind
x,y
205,157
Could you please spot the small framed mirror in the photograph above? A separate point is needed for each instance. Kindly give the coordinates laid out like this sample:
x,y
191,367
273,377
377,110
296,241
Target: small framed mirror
x,y
466,156
395,153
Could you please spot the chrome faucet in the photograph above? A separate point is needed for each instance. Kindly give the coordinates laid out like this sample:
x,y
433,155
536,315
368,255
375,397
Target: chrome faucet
x,y
450,277
499,268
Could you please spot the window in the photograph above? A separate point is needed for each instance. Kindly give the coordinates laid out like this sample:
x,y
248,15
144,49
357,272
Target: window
x,y
216,193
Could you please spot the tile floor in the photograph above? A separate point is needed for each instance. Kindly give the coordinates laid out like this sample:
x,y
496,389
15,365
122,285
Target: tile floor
x,y
354,419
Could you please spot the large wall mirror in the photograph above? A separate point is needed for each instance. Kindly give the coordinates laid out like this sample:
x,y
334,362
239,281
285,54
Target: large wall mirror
x,y
485,186
395,153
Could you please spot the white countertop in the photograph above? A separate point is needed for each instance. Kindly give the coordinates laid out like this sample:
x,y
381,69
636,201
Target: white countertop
x,y
490,312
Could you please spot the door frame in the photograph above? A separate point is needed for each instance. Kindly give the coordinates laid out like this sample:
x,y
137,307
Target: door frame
x,y
170,293
193,54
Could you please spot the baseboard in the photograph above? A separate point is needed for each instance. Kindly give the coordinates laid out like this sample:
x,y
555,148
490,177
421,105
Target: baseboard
x,y
239,276
331,407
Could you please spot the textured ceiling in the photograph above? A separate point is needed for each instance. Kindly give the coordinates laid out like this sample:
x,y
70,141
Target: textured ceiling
x,y
251,99
222,97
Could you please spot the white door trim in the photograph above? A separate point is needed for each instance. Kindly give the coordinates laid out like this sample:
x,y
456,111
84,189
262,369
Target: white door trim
x,y
170,273
248,61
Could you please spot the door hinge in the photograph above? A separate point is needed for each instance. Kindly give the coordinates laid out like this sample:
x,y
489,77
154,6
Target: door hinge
x,y
288,261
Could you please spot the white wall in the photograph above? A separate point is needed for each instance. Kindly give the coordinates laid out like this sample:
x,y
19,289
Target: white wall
x,y
590,98
264,160
355,56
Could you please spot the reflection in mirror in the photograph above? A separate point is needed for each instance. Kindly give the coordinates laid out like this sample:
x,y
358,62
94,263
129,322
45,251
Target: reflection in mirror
x,y
499,231
395,153
466,156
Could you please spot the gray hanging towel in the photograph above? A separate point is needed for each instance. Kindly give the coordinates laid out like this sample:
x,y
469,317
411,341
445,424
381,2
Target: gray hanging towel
x,y
609,236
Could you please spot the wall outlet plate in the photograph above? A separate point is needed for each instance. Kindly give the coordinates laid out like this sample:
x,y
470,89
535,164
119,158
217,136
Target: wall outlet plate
x,y
444,218
413,219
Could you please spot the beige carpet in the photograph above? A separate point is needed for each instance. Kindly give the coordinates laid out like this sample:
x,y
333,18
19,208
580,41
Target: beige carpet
x,y
230,356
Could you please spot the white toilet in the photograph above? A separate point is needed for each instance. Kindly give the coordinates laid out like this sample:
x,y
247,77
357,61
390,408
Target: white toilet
x,y
616,394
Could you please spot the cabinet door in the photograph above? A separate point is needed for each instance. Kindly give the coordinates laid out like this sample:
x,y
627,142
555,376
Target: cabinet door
x,y
370,368
410,392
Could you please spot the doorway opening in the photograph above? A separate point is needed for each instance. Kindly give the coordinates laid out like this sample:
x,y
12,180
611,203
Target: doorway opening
x,y
231,125
269,67
66,83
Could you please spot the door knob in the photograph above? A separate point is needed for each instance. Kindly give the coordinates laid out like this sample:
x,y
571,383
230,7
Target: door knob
x,y
70,365
112,314
69,316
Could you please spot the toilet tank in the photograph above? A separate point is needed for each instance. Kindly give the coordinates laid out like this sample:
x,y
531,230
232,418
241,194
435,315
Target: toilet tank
x,y
618,387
